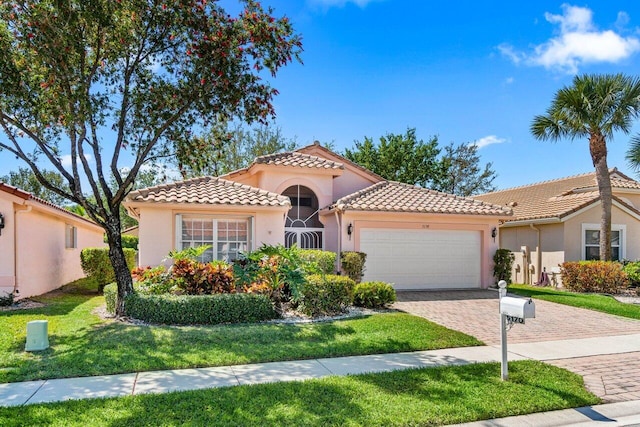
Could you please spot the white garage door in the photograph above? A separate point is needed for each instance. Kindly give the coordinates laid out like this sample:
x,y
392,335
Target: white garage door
x,y
422,259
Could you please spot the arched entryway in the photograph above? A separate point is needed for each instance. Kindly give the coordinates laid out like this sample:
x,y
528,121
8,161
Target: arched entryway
x,y
303,226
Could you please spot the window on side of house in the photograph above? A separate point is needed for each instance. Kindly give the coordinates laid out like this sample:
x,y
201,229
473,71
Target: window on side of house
x,y
70,237
226,236
591,242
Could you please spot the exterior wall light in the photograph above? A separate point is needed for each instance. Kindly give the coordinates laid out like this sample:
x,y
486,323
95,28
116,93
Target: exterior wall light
x,y
494,233
1,223
350,230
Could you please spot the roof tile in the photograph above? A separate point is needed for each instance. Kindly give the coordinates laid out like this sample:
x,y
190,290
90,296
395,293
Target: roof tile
x,y
209,190
555,198
297,159
391,196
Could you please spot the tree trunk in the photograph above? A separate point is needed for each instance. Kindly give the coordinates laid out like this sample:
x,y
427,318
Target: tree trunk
x,y
119,262
598,148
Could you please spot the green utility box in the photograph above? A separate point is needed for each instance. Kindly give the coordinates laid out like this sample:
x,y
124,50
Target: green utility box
x,y
37,335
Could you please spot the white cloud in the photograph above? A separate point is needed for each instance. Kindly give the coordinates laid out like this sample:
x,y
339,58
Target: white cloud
x,y
66,159
509,80
578,42
488,140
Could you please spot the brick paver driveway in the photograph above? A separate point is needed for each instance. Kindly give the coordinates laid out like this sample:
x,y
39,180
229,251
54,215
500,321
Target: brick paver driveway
x,y
475,312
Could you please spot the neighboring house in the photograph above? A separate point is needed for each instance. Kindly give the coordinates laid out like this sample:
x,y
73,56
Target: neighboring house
x,y
559,220
414,238
40,243
131,231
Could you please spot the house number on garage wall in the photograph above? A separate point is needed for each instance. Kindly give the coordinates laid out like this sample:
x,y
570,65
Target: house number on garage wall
x,y
425,225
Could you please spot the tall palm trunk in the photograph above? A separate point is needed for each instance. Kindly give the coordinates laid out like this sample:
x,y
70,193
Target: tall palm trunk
x,y
598,149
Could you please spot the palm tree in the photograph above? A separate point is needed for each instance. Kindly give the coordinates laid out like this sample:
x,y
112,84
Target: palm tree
x,y
595,106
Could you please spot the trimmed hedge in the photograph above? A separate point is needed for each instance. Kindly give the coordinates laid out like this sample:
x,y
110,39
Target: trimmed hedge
x,y
325,261
594,276
353,264
502,265
96,264
373,294
199,309
110,297
325,294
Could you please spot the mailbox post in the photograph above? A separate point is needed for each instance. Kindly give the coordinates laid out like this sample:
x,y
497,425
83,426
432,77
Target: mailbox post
x,y
512,310
504,371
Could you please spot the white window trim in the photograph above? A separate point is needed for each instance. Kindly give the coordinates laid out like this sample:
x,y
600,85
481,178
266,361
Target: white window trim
x,y
178,228
622,228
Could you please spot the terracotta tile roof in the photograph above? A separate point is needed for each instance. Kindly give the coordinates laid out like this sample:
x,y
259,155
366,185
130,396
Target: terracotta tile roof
x,y
25,195
316,146
209,191
556,198
301,160
390,196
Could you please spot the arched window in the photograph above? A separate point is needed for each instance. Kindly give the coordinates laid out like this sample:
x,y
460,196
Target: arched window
x,y
304,207
303,226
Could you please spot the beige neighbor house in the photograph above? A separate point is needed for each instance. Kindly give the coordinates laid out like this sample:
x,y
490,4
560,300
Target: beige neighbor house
x,y
40,243
559,220
414,238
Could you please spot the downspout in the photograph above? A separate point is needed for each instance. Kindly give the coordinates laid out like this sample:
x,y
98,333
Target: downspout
x,y
339,222
15,245
538,253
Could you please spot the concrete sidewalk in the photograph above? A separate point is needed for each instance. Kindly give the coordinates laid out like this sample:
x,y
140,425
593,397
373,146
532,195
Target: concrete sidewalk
x,y
13,394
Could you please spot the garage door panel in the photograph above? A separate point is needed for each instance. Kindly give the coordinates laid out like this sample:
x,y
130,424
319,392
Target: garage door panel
x,y
422,259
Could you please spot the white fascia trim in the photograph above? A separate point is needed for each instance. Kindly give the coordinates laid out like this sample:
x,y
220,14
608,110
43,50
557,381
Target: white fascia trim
x,y
541,221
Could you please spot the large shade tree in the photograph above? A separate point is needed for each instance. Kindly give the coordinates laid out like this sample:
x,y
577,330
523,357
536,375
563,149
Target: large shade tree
x,y
111,83
593,107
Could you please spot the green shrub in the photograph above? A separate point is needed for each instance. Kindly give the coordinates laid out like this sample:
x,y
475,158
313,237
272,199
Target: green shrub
x,y
127,241
594,276
96,264
130,242
111,296
199,309
353,264
156,280
373,294
502,265
322,262
633,272
271,267
325,294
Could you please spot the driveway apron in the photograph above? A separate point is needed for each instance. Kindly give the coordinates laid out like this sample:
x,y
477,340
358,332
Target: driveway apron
x,y
475,312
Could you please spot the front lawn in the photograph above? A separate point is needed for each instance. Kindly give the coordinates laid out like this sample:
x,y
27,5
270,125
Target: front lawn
x,y
432,396
597,302
83,344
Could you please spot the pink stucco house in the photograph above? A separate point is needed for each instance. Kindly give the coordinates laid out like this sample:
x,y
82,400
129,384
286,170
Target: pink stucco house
x,y
40,243
414,238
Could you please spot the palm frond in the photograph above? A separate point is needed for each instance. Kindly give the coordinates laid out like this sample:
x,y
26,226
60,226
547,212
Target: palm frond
x,y
633,153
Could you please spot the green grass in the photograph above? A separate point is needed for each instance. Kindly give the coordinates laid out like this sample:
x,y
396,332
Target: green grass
x,y
434,396
83,344
597,302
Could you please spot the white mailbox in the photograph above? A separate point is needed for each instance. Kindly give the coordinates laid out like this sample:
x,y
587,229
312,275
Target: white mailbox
x,y
520,308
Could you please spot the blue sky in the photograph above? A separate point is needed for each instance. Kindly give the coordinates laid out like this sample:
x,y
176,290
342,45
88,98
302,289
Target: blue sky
x,y
476,71
464,71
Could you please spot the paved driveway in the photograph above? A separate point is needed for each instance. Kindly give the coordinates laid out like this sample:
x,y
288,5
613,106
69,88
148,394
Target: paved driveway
x,y
475,312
